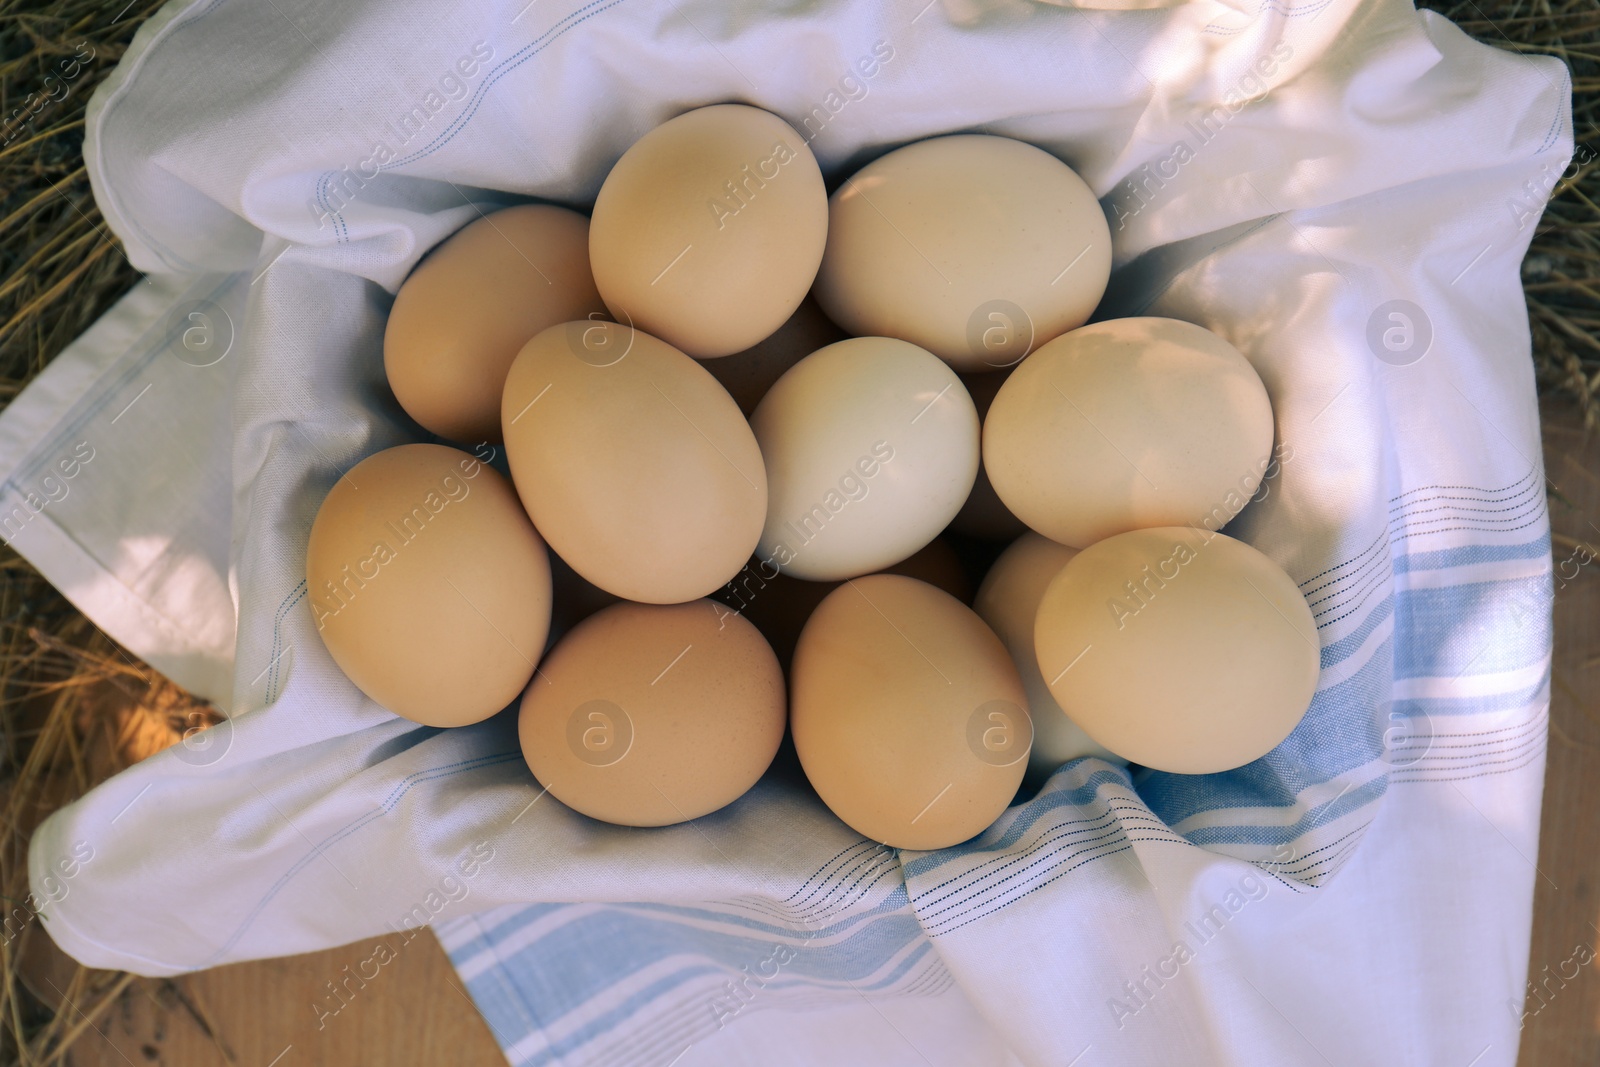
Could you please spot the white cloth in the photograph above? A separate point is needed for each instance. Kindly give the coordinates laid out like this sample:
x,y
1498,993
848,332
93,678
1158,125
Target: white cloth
x,y
1362,895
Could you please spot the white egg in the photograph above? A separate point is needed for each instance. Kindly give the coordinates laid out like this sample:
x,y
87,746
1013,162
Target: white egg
x,y
871,447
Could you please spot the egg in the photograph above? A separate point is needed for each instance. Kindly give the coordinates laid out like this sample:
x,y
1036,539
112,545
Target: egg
x,y
977,248
633,462
983,515
428,584
1179,649
749,374
647,715
870,446
1128,424
708,231
907,713
779,605
1008,600
472,303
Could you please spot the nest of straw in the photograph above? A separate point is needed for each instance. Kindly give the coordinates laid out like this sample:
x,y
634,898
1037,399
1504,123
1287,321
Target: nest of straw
x,y
75,708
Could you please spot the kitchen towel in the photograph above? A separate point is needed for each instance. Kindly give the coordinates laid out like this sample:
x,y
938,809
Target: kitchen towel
x,y
1342,189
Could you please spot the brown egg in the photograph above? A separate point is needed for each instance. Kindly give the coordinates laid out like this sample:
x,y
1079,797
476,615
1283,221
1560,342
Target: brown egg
x,y
708,231
1008,600
984,515
779,605
1179,649
633,462
428,584
907,713
472,303
977,248
1129,424
749,374
647,715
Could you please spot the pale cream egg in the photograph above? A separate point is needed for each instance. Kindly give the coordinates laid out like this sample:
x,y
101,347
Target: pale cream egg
x,y
871,447
977,248
1128,424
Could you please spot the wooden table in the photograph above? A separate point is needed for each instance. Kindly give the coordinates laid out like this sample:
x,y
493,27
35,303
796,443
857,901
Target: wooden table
x,y
1566,1029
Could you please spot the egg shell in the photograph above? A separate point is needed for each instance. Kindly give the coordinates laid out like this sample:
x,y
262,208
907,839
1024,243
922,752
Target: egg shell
x,y
984,515
779,605
1008,600
1129,424
978,248
647,715
472,303
749,374
1179,649
907,713
708,231
633,462
871,446
428,584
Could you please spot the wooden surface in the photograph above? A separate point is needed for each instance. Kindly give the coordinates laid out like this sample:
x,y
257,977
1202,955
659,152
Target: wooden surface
x,y
280,1013
1563,1028
415,1012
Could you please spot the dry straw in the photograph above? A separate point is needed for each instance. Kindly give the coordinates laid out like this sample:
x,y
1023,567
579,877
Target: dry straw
x,y
74,708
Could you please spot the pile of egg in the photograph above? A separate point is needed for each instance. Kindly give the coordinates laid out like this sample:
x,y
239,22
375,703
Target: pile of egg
x,y
738,414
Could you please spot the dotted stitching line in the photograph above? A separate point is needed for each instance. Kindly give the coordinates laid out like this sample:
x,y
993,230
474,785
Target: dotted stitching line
x,y
1480,529
1348,562
294,598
